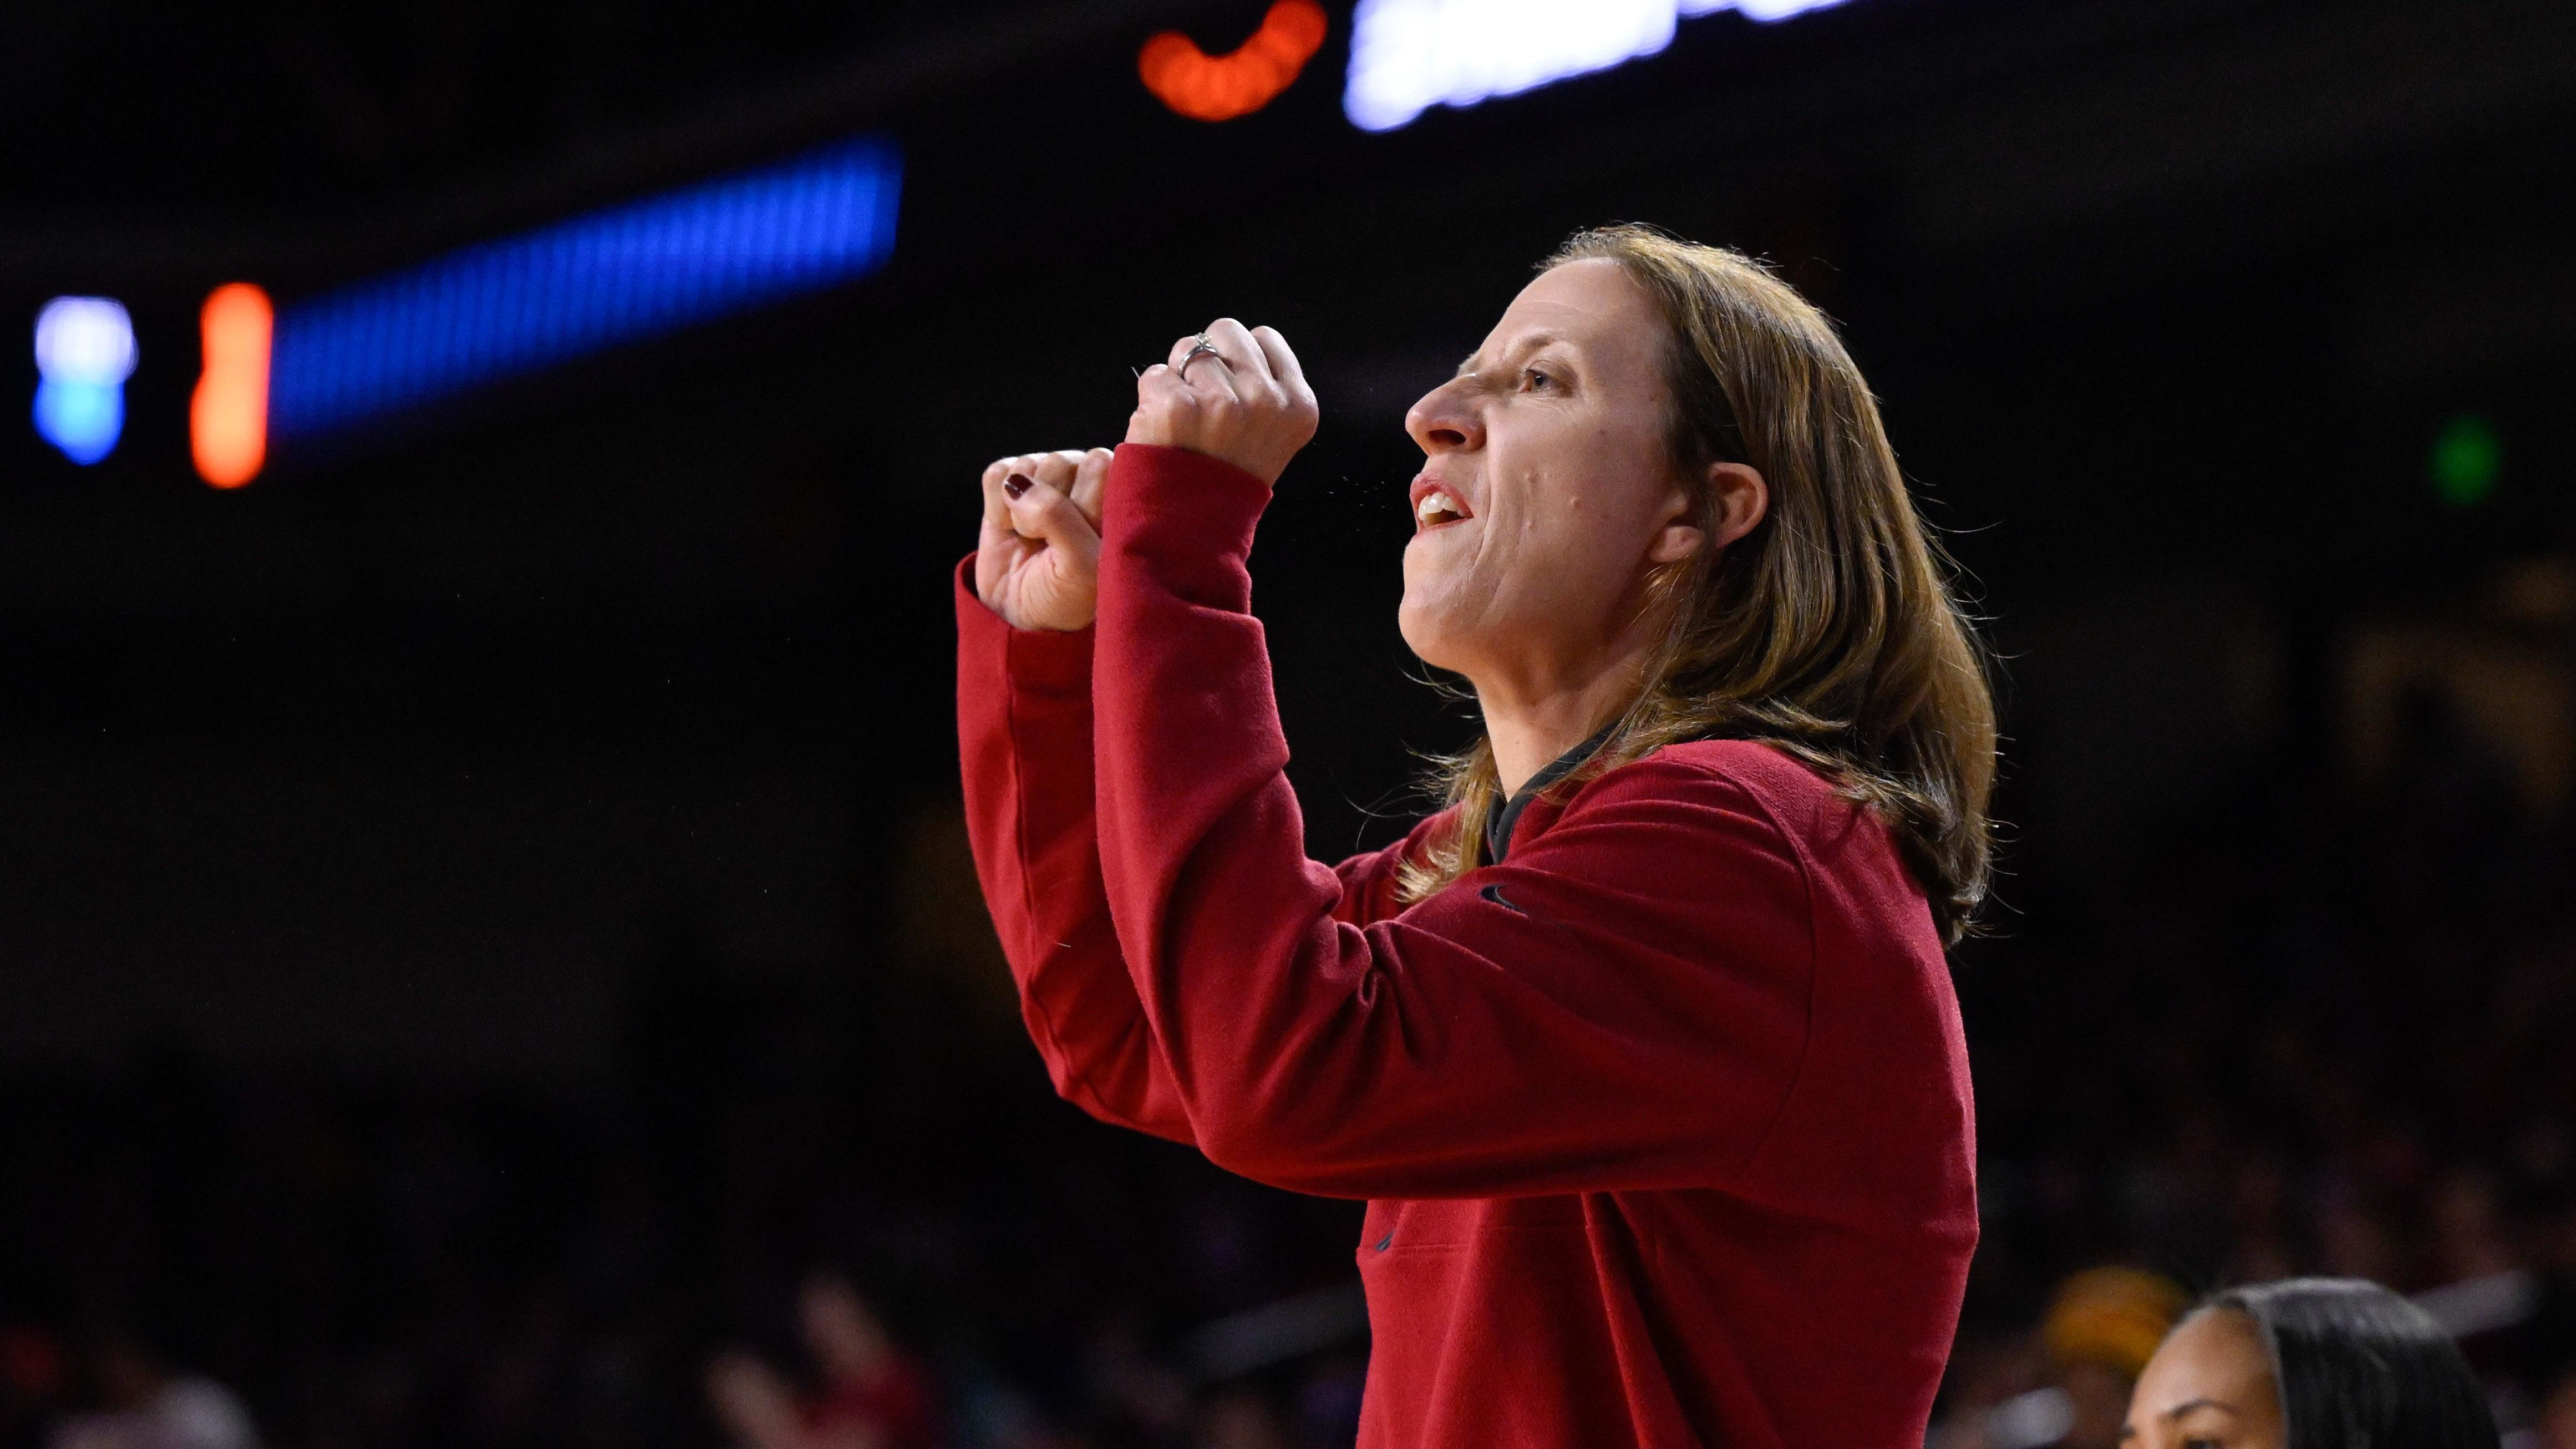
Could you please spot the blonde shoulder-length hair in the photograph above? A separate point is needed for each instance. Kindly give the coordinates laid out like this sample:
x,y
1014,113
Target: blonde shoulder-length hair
x,y
1830,631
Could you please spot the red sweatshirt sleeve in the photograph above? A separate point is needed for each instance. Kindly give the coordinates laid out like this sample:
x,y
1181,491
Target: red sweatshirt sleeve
x,y
1024,747
1621,1006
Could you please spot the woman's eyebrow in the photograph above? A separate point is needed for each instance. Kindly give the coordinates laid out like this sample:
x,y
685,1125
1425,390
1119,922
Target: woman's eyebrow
x,y
1523,345
2193,1405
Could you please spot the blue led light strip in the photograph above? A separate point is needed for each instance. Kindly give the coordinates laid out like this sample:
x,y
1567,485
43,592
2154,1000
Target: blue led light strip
x,y
499,308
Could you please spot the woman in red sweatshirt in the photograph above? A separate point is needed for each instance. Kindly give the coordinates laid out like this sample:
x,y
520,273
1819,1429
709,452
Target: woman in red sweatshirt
x,y
1643,1052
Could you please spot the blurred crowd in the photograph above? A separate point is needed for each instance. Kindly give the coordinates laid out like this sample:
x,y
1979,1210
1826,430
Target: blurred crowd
x,y
2319,1024
801,1222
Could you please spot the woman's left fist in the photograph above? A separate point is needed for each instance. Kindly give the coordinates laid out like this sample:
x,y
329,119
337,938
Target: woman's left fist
x,y
1245,403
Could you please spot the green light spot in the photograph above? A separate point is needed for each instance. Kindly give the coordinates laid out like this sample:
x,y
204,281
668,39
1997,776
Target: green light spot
x,y
2466,458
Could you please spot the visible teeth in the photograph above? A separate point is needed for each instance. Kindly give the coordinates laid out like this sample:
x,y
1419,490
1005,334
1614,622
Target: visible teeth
x,y
1433,508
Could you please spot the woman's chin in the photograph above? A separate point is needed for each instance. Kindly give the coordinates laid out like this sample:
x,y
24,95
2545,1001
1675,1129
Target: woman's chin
x,y
1428,633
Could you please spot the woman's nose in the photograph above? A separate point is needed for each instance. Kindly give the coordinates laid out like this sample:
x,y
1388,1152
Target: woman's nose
x,y
1443,422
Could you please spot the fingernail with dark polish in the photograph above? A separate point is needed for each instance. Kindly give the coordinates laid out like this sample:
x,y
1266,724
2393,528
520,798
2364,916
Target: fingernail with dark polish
x,y
1016,484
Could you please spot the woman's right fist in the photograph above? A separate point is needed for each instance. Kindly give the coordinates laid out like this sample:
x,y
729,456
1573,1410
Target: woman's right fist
x,y
1237,396
1037,563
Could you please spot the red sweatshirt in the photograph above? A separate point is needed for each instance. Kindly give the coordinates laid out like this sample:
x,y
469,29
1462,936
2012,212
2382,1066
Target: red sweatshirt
x,y
1663,1120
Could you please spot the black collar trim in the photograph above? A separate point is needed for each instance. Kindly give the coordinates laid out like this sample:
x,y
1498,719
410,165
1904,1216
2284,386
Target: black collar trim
x,y
1507,813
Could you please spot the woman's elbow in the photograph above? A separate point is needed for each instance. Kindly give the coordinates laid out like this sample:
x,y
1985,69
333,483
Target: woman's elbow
x,y
1276,1149
1117,1108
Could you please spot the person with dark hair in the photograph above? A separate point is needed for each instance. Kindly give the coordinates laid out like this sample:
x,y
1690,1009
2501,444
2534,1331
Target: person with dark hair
x,y
1644,1050
2308,1363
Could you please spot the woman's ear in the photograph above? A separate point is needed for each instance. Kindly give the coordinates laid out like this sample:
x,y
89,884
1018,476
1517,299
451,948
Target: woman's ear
x,y
1673,543
1678,538
1743,499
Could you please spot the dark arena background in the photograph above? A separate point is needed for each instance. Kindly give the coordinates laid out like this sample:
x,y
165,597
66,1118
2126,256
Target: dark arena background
x,y
485,919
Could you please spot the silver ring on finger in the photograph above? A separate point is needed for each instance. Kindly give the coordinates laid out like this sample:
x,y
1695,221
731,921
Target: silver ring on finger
x,y
1199,348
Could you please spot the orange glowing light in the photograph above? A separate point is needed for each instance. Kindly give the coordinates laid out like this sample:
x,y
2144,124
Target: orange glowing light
x,y
1208,87
228,416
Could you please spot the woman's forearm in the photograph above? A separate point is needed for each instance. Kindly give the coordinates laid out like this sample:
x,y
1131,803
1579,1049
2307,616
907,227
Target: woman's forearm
x,y
1025,750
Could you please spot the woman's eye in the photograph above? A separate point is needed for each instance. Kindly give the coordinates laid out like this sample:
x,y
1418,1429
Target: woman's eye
x,y
1535,378
2201,1442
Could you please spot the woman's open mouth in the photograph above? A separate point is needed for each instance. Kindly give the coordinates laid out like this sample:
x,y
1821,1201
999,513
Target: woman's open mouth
x,y
1434,505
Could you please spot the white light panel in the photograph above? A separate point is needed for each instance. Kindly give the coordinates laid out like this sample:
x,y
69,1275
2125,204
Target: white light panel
x,y
1410,55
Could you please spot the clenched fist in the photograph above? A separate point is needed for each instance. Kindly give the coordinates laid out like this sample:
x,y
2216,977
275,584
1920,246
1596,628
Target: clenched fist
x,y
1037,563
1245,404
